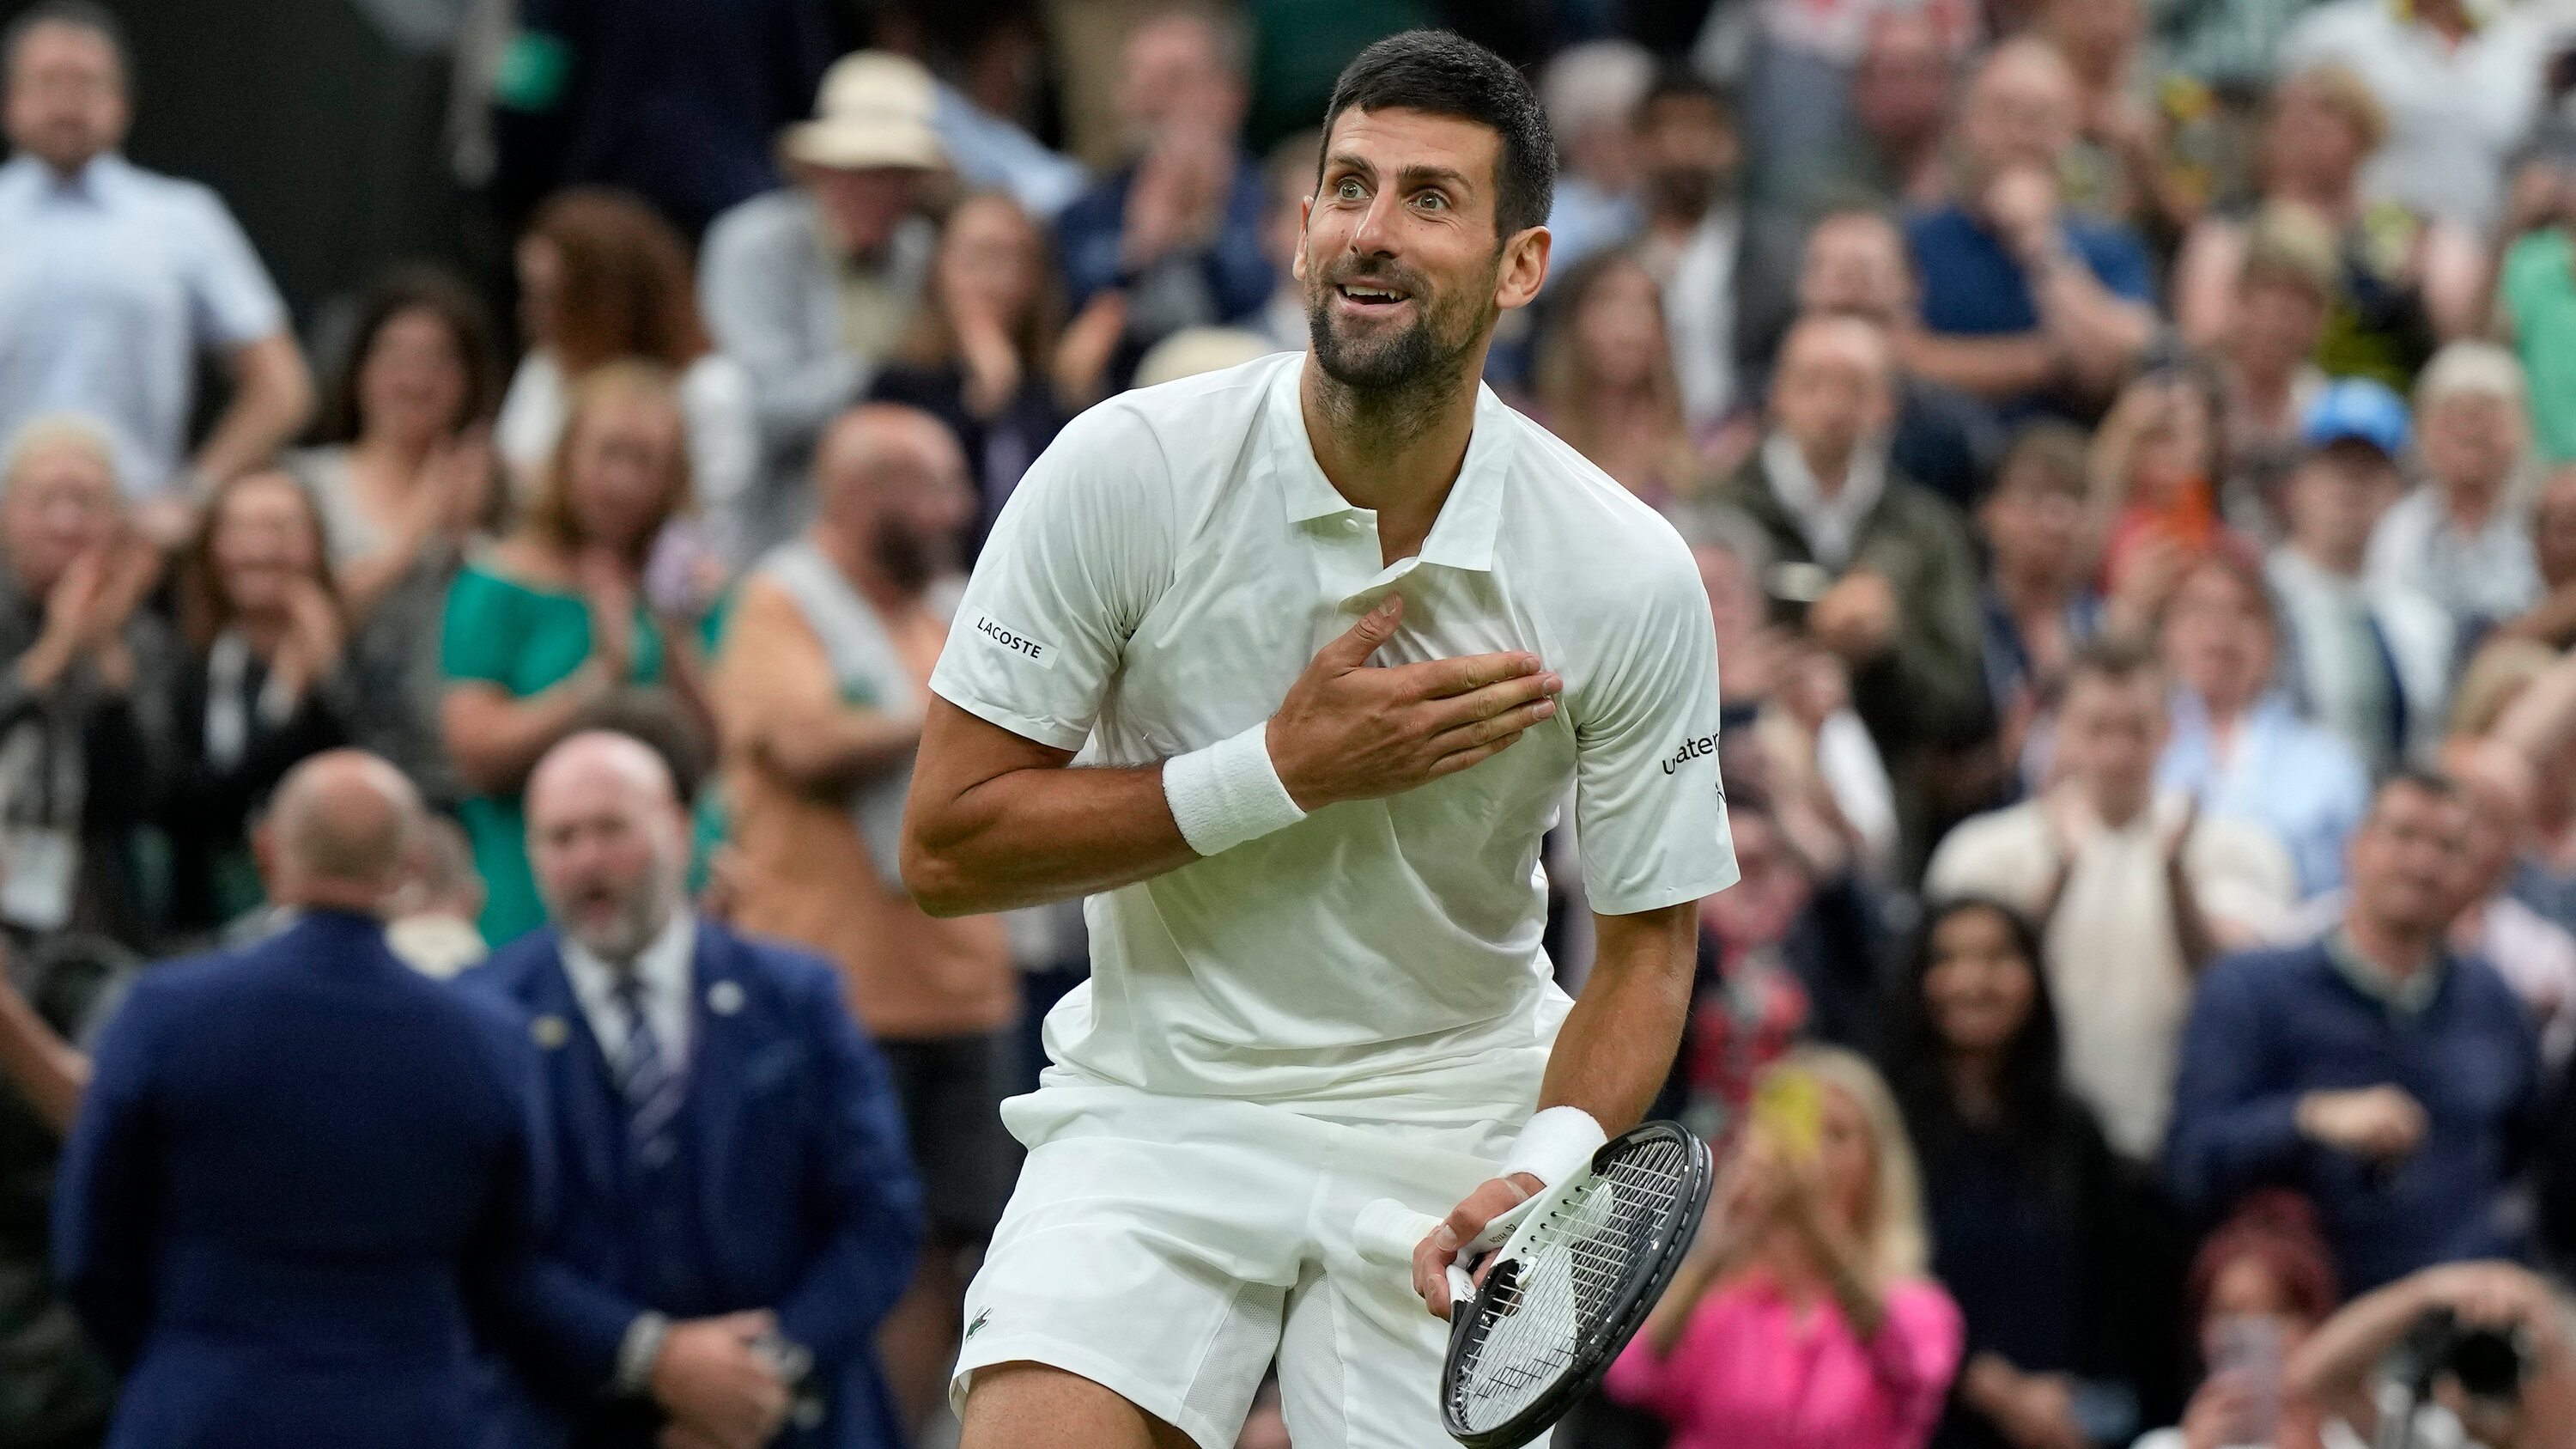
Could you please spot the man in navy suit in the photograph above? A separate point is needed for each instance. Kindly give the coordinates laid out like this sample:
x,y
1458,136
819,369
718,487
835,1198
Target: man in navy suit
x,y
735,1210
298,1165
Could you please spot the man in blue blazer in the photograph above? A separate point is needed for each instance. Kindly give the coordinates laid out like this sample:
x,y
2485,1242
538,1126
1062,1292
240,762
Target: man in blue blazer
x,y
297,1166
734,1207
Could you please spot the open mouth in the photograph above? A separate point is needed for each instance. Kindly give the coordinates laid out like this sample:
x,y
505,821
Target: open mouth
x,y
1370,296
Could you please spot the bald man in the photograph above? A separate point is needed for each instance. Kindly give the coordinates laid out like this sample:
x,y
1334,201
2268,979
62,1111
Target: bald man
x,y
821,684
1876,566
734,1210
299,1163
2026,303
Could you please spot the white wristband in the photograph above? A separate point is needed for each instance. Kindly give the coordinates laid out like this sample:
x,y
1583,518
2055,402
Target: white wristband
x,y
1554,1145
1228,793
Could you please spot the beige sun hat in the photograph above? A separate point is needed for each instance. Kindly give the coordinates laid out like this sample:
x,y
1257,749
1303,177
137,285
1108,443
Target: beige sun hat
x,y
874,109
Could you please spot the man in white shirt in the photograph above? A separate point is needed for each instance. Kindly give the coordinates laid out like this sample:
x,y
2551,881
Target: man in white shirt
x,y
115,278
1333,633
2133,891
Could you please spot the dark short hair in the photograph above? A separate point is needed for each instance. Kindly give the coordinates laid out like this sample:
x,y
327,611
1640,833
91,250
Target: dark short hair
x,y
1681,83
86,15
2412,777
1443,74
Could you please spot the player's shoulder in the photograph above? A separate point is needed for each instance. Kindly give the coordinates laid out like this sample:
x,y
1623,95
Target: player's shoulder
x,y
1151,442
1573,527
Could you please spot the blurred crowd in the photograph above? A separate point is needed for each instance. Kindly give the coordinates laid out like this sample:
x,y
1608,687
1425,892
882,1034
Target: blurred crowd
x,y
2130,451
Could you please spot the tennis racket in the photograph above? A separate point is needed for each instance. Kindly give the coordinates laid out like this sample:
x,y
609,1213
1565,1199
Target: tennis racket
x,y
1578,1267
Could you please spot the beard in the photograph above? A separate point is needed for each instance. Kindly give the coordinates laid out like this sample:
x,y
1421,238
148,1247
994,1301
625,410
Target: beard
x,y
909,560
636,912
1428,348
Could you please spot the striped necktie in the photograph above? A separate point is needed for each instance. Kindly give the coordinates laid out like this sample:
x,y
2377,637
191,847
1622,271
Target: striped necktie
x,y
651,1083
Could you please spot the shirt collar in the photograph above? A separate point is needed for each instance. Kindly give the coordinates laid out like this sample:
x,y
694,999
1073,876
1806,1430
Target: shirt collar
x,y
1462,537
1831,526
2405,995
662,967
94,182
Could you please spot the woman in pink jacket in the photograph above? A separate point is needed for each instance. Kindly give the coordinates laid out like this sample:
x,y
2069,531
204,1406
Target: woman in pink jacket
x,y
1802,1320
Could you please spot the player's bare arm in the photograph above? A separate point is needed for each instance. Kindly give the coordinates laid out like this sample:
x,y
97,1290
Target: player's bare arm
x,y
1610,1057
996,821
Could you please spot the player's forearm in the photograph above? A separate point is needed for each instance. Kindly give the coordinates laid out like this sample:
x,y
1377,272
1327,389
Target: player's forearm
x,y
1617,1044
1036,835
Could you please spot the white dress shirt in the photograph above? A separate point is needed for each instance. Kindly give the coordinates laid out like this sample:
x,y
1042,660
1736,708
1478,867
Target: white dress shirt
x,y
1699,313
111,283
1831,526
665,967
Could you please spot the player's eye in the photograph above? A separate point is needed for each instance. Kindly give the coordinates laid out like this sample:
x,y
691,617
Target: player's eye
x,y
1432,201
1349,189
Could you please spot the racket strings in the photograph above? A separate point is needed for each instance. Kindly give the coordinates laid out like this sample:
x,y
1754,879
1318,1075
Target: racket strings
x,y
1547,1305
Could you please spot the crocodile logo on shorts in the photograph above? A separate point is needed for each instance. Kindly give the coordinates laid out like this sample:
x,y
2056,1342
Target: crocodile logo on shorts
x,y
980,1320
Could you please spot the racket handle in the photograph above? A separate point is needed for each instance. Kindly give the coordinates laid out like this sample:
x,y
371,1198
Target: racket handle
x,y
1387,1232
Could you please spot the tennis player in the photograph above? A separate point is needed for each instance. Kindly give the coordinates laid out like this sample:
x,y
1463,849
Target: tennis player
x,y
1288,667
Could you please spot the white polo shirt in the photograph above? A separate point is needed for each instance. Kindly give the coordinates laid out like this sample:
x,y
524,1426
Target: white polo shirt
x,y
1157,582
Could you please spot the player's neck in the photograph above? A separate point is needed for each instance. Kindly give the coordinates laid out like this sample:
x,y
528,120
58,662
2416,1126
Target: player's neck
x,y
1395,451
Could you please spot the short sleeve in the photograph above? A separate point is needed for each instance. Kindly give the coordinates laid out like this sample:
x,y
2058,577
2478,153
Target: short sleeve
x,y
475,637
1080,552
232,302
2119,261
1650,810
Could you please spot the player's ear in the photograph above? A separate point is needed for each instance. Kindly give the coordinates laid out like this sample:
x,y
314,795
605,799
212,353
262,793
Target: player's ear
x,y
1524,268
1305,218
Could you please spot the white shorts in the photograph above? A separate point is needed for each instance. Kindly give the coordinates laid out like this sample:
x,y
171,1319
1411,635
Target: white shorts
x,y
1169,1248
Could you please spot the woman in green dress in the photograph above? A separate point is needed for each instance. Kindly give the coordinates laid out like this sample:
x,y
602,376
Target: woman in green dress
x,y
551,629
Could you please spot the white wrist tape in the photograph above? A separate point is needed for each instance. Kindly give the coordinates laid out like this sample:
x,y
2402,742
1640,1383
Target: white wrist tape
x,y
1228,793
1554,1145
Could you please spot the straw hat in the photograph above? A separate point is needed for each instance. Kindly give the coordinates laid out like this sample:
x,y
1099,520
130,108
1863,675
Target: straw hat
x,y
875,109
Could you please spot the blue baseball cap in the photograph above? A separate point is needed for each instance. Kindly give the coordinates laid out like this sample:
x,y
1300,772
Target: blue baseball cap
x,y
2361,410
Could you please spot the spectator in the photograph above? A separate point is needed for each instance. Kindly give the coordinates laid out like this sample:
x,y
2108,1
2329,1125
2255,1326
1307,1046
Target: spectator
x,y
2353,1361
1787,703
405,478
1606,383
2133,890
1592,92
591,96
118,277
2238,748
2040,606
2372,1070
2370,662
88,684
1176,230
1802,1315
2535,299
2155,464
2036,1230
2025,303
812,287
2552,621
2403,282
267,684
823,679
2461,538
2534,955
984,355
1727,273
992,152
1900,101
602,278
1944,439
300,1165
1882,566
2460,89
1800,82
551,626
2258,1288
2282,293
736,1212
